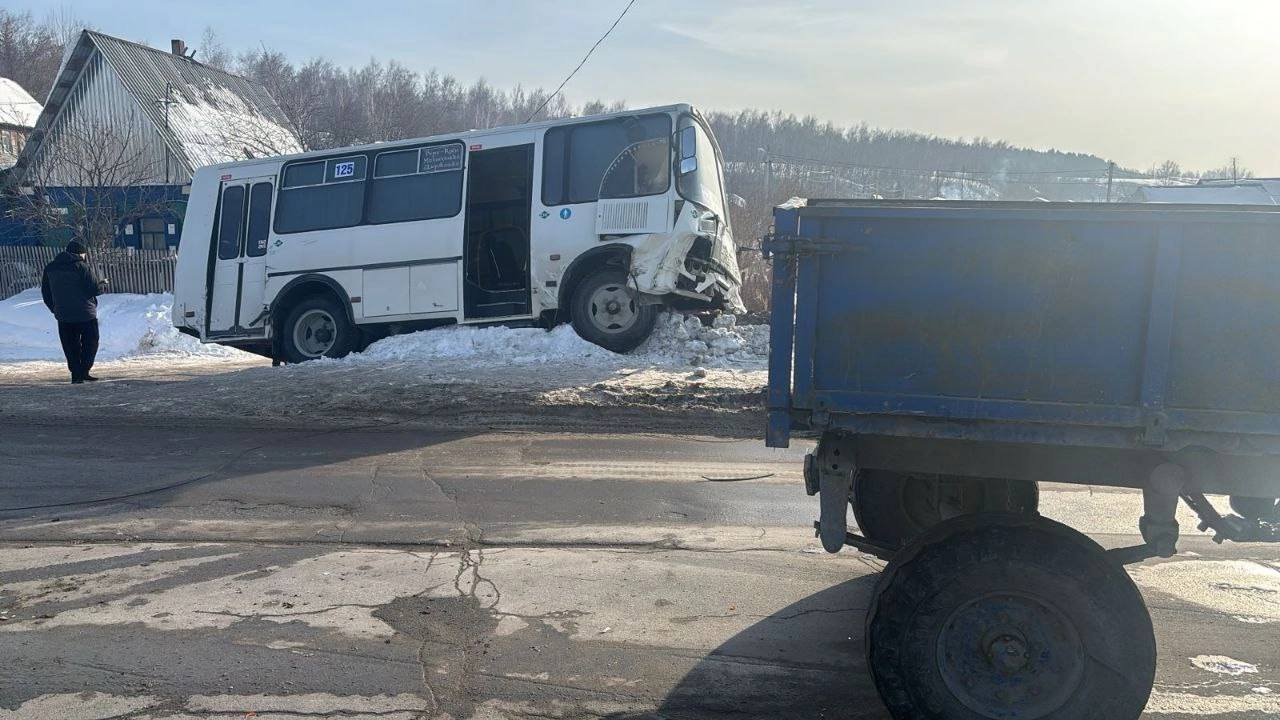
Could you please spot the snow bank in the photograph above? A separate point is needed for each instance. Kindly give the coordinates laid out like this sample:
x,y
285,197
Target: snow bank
x,y
486,346
130,325
677,340
134,325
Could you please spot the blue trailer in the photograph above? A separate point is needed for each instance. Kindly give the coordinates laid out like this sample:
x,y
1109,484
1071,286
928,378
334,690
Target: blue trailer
x,y
949,356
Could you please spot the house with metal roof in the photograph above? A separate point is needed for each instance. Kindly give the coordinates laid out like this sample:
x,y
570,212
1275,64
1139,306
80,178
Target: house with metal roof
x,y
124,114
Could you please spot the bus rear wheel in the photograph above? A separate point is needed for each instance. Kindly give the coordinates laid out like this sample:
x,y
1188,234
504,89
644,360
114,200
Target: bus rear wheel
x,y
1004,616
317,327
607,311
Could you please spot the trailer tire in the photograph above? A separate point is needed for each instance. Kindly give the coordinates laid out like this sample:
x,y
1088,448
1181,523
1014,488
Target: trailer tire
x,y
317,326
892,508
1255,508
1001,615
608,312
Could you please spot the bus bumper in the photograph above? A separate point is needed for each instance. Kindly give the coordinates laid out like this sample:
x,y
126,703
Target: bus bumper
x,y
669,264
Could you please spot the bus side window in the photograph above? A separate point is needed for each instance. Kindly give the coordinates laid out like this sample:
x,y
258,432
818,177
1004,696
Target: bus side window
x,y
575,158
554,153
229,222
416,184
259,220
321,195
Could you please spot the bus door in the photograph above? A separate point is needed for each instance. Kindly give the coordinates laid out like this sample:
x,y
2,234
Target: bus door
x,y
497,248
238,277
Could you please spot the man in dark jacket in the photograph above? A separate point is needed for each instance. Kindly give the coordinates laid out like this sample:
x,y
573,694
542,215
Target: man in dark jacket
x,y
71,291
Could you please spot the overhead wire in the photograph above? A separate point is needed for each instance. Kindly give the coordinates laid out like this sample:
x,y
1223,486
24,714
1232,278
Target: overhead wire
x,y
586,57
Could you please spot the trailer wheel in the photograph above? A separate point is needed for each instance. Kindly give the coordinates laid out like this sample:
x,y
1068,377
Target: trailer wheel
x,y
608,312
317,327
892,508
1257,509
1001,615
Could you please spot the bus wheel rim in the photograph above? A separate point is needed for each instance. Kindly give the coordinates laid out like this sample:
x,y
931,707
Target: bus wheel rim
x,y
315,333
613,308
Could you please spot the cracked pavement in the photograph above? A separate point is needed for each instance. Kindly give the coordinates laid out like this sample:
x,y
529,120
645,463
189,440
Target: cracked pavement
x,y
221,570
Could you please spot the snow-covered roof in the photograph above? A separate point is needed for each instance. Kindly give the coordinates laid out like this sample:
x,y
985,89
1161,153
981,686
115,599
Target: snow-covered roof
x,y
17,107
1212,194
213,116
204,115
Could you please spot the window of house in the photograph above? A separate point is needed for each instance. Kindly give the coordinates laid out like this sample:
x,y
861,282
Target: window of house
x,y
321,195
416,184
152,232
576,157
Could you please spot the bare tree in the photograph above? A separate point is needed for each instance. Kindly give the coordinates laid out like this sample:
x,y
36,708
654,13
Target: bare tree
x,y
89,182
30,52
212,51
1232,170
1167,170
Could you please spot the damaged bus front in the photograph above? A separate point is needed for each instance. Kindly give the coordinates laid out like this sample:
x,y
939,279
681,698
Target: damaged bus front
x,y
697,258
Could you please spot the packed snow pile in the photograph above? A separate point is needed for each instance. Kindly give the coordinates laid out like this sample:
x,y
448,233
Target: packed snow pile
x,y
1223,665
677,339
129,325
486,346
684,338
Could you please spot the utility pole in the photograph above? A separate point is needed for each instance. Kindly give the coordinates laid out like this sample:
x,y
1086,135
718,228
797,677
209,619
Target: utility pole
x,y
1111,173
768,176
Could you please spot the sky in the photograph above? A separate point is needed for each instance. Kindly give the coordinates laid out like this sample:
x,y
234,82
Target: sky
x,y
1135,81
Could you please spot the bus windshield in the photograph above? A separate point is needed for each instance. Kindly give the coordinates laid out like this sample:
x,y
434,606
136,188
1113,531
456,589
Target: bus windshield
x,y
644,168
698,170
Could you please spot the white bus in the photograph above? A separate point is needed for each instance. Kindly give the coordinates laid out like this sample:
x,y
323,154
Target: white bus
x,y
599,221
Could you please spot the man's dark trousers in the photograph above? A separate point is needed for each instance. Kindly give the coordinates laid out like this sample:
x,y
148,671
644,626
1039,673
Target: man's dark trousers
x,y
80,345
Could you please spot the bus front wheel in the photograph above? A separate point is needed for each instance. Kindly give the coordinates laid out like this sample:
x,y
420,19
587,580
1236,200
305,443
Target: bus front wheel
x,y
317,327
608,312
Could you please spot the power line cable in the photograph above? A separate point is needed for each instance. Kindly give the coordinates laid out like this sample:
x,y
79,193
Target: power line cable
x,y
584,61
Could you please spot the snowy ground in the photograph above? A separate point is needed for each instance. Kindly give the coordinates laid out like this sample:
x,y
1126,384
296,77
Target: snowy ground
x,y
494,375
131,326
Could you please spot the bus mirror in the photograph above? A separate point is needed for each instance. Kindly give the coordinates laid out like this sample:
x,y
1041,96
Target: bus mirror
x,y
688,150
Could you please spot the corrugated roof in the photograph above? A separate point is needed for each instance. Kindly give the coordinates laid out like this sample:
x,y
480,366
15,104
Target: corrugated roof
x,y
17,107
212,116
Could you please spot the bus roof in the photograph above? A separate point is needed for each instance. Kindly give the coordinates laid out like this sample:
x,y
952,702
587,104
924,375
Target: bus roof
x,y
466,135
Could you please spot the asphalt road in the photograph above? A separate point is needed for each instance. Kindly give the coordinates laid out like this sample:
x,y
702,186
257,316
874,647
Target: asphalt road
x,y
165,572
